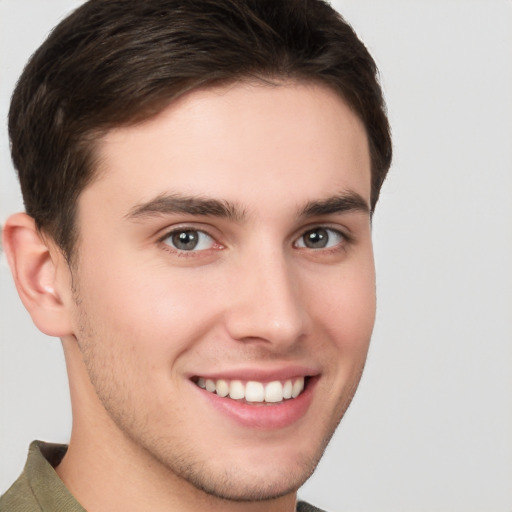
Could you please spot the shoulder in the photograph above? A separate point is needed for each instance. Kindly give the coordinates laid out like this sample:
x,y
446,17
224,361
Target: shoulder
x,y
39,489
302,506
19,497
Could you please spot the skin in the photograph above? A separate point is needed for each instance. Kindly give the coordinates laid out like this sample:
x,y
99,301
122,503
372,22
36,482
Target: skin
x,y
139,319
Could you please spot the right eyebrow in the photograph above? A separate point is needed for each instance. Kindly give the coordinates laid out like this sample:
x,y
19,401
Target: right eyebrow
x,y
177,203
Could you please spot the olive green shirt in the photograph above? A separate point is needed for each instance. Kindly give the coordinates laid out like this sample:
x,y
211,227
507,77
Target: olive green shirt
x,y
39,488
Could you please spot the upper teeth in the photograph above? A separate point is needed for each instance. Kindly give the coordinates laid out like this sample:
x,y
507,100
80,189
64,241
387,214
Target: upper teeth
x,y
253,391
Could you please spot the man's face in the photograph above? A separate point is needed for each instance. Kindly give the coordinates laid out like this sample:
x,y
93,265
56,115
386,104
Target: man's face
x,y
226,243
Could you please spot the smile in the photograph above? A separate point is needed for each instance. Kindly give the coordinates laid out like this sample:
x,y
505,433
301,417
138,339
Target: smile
x,y
254,391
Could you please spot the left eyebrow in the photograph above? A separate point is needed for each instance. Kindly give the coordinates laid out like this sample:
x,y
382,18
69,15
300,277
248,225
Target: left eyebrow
x,y
345,202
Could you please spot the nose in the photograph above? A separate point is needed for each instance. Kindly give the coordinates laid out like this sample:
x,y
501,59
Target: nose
x,y
265,302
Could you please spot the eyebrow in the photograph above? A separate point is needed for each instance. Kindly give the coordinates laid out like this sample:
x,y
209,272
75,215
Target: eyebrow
x,y
167,204
344,202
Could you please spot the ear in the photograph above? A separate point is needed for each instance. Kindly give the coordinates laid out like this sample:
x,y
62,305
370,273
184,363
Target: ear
x,y
41,275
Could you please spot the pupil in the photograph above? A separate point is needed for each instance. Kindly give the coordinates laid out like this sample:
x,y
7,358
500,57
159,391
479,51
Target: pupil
x,y
316,239
186,240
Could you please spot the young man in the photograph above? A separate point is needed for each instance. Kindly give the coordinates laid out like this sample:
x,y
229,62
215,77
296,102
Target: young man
x,y
199,179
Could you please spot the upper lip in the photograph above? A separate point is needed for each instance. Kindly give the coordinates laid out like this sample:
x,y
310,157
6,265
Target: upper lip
x,y
259,374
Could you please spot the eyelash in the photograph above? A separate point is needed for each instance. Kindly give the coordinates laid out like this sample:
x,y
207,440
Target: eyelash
x,y
344,239
183,252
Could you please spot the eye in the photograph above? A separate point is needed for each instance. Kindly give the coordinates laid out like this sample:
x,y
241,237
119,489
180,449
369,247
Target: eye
x,y
189,240
320,238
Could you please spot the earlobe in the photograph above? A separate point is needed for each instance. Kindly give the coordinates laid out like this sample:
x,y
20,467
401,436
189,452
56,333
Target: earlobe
x,y
37,268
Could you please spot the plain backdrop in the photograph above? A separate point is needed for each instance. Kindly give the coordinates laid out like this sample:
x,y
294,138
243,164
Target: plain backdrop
x,y
430,428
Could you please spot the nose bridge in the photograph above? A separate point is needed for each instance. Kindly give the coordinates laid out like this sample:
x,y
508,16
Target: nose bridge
x,y
266,302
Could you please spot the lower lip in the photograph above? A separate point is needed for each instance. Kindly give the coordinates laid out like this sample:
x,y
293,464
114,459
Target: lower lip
x,y
262,415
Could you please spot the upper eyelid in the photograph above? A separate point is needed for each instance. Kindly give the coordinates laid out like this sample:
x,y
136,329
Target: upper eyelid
x,y
168,231
210,230
345,232
325,227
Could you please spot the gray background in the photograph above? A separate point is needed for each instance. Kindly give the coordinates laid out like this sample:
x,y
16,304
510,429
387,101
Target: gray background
x,y
431,425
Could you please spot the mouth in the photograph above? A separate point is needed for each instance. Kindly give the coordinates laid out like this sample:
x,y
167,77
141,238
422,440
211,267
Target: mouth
x,y
263,402
254,392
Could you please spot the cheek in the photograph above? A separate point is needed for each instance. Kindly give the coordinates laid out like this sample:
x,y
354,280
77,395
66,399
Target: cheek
x,y
146,308
347,306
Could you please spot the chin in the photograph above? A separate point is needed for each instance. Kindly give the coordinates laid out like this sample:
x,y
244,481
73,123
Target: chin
x,y
249,475
260,485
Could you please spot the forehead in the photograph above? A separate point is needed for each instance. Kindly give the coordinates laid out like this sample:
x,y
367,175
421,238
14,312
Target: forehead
x,y
236,141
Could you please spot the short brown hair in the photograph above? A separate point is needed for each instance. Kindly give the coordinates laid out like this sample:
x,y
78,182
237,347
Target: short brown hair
x,y
117,62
